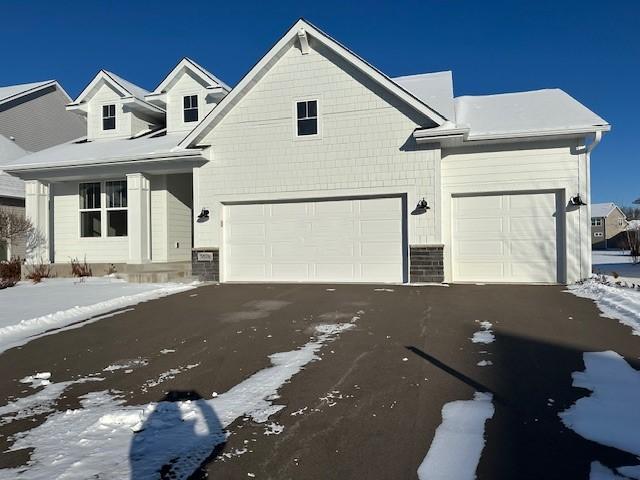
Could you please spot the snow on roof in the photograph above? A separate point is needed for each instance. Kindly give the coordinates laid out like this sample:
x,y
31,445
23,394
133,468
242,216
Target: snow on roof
x,y
10,186
509,114
602,209
80,153
132,88
433,89
12,91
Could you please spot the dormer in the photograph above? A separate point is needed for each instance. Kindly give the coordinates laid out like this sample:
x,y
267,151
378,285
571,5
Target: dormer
x,y
116,108
187,93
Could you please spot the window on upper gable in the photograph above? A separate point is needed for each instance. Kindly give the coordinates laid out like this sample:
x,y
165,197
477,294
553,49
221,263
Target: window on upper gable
x,y
307,117
108,117
190,108
596,222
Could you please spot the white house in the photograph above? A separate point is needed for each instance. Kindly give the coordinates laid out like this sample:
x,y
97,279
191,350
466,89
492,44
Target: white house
x,y
317,167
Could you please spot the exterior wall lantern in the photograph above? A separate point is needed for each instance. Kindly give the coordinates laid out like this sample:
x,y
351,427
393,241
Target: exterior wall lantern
x,y
421,208
576,201
203,216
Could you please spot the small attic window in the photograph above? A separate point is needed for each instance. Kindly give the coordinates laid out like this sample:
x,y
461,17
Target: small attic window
x,y
190,108
307,117
108,117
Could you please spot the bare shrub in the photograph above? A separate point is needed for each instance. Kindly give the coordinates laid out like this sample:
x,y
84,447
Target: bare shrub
x,y
80,270
13,226
111,269
38,271
633,240
10,272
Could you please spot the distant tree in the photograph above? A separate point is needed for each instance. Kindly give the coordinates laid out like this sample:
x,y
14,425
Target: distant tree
x,y
632,213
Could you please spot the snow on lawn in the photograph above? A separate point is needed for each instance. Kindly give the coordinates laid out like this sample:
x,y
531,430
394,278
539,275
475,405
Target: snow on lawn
x,y
610,415
619,261
459,440
614,301
107,439
32,309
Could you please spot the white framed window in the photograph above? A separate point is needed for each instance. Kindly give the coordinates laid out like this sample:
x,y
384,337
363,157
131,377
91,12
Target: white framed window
x,y
190,103
90,210
103,202
596,222
108,117
307,118
597,234
116,192
621,222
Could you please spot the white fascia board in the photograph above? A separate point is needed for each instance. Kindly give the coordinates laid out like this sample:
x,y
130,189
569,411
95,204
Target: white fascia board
x,y
187,63
541,133
101,75
135,159
429,135
36,89
133,101
248,81
78,108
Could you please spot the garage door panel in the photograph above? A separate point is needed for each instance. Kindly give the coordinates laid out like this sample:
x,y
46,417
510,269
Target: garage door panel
x,y
356,240
511,239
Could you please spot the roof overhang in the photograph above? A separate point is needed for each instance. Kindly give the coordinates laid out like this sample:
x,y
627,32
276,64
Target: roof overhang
x,y
37,88
302,31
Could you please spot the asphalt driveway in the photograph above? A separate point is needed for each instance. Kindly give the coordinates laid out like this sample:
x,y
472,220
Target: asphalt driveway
x,y
370,407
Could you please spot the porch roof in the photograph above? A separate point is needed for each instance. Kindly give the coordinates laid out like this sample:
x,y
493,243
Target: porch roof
x,y
82,153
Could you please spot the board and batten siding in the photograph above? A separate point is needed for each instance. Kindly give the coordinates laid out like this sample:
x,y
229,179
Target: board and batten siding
x,y
364,146
39,120
67,243
523,167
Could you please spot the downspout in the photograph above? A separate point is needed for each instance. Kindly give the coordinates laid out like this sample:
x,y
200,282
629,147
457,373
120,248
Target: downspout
x,y
588,149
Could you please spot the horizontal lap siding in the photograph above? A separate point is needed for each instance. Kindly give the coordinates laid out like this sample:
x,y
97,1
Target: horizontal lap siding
x,y
255,154
67,241
522,167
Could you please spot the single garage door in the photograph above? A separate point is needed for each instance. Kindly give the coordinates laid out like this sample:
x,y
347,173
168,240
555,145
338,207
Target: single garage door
x,y
353,240
505,238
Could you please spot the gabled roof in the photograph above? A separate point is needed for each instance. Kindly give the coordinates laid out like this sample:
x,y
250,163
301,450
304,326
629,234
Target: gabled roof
x,y
124,88
434,89
208,78
300,31
603,209
13,92
539,112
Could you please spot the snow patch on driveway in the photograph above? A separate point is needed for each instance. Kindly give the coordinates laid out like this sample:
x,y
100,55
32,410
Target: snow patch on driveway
x,y
459,440
616,302
106,437
29,310
610,415
485,335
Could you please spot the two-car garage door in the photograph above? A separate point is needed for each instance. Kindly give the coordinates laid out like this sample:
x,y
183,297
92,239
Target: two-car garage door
x,y
340,240
505,238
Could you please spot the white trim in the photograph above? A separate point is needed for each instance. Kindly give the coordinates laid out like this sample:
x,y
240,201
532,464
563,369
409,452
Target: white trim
x,y
104,209
187,63
318,134
37,88
268,60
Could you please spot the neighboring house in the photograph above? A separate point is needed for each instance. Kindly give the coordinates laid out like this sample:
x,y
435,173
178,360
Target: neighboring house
x,y
608,226
32,117
314,168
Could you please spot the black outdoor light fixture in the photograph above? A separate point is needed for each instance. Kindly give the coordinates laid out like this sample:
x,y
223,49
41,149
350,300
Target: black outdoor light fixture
x,y
421,207
204,215
576,201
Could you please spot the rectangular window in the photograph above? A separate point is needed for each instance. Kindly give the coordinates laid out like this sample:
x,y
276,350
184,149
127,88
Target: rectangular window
x,y
596,222
90,210
116,208
108,117
307,117
190,108
113,207
621,222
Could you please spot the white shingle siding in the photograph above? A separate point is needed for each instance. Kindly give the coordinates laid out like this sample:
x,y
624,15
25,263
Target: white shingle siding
x,y
522,167
179,217
185,84
361,151
67,242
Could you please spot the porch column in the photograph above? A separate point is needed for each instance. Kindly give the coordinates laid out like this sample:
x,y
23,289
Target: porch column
x,y
37,210
138,218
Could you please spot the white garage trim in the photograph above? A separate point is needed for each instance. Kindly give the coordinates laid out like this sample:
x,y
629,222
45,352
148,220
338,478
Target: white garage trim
x,y
508,237
341,239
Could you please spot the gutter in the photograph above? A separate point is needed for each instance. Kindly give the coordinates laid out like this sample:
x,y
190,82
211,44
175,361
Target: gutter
x,y
107,161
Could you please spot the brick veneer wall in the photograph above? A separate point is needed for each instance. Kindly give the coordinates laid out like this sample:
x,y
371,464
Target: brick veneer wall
x,y
426,263
206,271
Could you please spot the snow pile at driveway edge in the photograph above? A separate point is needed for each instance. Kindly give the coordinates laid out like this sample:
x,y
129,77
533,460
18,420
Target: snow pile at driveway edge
x,y
20,333
616,302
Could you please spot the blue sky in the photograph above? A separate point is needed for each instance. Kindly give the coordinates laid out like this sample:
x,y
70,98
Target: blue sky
x,y
589,49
